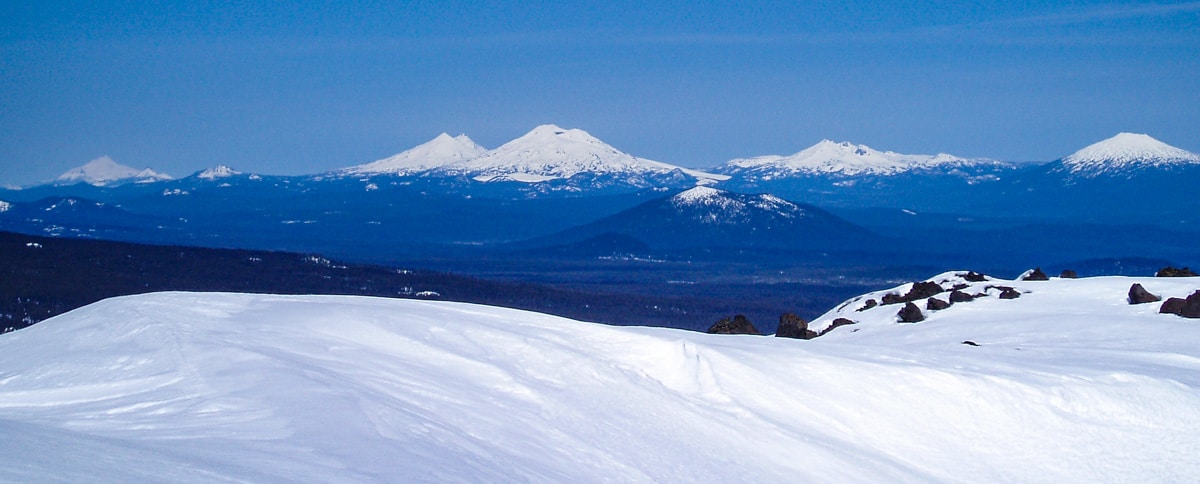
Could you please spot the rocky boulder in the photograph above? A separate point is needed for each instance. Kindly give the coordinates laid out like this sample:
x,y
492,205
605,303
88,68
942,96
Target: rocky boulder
x,y
1188,308
736,325
1139,295
935,304
910,313
793,326
1174,272
1068,274
1035,275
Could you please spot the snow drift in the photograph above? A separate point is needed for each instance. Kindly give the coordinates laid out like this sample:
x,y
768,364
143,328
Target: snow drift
x,y
1070,383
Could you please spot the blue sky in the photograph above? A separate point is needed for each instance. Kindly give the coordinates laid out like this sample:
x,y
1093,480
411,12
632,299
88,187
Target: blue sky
x,y
279,88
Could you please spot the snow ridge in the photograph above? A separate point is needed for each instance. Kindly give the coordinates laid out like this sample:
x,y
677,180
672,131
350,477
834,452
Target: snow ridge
x,y
846,159
104,171
1125,152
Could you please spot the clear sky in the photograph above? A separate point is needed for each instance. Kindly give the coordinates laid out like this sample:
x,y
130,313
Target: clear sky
x,y
291,88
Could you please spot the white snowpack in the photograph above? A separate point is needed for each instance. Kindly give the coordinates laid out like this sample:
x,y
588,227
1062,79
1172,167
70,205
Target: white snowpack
x,y
1069,384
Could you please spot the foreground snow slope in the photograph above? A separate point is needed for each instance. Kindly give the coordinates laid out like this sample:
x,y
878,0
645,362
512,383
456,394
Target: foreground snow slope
x,y
211,387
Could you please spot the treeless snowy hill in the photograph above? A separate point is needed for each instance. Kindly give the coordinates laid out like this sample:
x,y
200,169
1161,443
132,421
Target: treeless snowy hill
x,y
1070,383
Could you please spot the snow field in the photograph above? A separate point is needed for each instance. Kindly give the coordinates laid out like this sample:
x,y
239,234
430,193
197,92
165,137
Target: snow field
x,y
1066,385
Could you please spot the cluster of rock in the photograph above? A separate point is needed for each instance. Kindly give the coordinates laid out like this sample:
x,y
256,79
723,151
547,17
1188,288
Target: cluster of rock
x,y
928,290
790,326
1188,307
958,289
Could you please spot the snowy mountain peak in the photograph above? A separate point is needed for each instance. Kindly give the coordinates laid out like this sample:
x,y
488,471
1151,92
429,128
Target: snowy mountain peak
x,y
829,157
550,152
104,171
1126,151
716,206
220,171
443,150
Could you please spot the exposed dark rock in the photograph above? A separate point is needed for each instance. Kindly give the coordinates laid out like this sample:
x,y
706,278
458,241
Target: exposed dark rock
x,y
737,325
910,313
868,305
920,290
1139,295
793,326
970,343
959,287
1188,308
935,304
1036,275
1008,292
838,322
1068,274
959,296
973,276
1175,272
1172,305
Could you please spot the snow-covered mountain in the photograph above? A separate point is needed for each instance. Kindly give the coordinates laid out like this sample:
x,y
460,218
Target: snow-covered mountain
x,y
1125,153
709,205
830,158
104,171
706,217
444,150
1068,383
219,171
549,152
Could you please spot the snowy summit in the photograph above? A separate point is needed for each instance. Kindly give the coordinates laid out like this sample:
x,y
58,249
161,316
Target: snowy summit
x,y
546,153
834,158
443,150
104,171
220,171
549,152
713,206
1125,152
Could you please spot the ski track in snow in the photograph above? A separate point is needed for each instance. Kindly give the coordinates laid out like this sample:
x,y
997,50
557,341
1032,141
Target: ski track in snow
x,y
1070,383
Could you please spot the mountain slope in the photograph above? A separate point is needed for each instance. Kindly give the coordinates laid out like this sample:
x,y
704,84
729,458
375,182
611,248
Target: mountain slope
x,y
229,387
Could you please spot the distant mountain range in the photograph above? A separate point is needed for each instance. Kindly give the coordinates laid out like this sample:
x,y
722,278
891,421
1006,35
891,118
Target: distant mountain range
x,y
563,188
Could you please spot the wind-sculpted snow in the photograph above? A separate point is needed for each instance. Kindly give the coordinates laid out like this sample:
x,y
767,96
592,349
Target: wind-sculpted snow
x,y
1073,386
